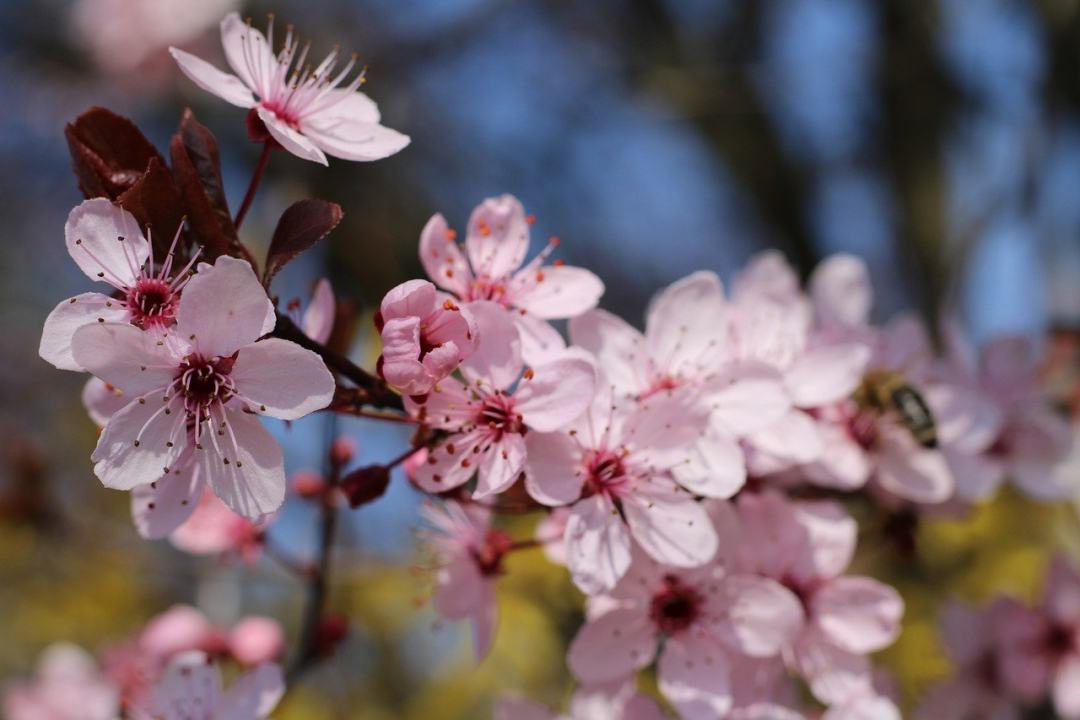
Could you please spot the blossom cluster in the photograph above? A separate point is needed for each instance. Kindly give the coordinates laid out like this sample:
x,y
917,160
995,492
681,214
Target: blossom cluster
x,y
694,477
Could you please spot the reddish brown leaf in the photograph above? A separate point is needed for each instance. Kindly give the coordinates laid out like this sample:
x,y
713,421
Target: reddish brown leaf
x,y
155,202
301,226
109,154
197,171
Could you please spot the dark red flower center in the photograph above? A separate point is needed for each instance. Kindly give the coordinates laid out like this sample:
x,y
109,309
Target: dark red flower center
x,y
497,414
675,607
203,381
489,555
151,303
604,472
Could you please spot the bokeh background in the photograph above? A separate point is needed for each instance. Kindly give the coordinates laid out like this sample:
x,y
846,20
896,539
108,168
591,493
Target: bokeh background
x,y
939,140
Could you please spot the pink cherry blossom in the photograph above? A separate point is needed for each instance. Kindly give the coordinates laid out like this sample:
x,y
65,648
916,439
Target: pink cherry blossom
x,y
1041,648
609,701
212,528
105,242
67,685
469,553
425,336
1024,439
493,268
703,617
772,323
195,396
487,419
976,687
256,639
613,466
807,546
191,687
686,352
864,444
308,111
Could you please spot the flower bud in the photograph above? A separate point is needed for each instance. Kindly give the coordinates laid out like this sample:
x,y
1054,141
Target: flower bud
x,y
308,484
255,640
342,451
366,484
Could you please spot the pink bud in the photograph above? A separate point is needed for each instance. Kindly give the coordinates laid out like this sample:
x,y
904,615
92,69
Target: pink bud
x,y
179,628
308,484
342,451
256,639
414,462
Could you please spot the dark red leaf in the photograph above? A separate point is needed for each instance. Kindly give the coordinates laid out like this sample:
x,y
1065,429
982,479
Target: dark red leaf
x,y
301,226
197,171
155,202
109,154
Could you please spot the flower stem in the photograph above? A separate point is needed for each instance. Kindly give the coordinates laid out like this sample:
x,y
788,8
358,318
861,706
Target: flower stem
x,y
253,186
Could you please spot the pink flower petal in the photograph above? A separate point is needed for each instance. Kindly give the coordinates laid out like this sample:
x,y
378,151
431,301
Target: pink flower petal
x,y
685,328
540,342
500,466
292,140
763,617
618,348
693,674
445,470
91,234
282,379
122,464
496,362
70,315
352,139
751,399
670,526
252,482
318,319
483,627
557,393
563,291
228,87
160,508
498,237
858,614
914,473
792,439
826,374
238,39
840,288
225,307
714,467
123,356
254,694
442,259
554,474
102,401
831,535
597,545
612,646
256,639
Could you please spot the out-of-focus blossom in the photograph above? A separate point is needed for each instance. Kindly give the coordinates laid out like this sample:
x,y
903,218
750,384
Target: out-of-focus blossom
x,y
613,466
807,546
106,243
486,419
493,268
705,619
772,322
1040,648
256,640
469,553
67,685
308,111
1028,440
138,30
425,336
212,529
191,687
195,397
610,701
976,688
317,320
551,534
685,352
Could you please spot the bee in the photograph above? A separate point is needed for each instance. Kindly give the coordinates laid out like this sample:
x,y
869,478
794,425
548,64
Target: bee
x,y
886,391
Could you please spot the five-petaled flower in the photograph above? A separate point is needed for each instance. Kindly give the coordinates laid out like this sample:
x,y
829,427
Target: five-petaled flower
x,y
491,268
195,396
309,111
